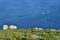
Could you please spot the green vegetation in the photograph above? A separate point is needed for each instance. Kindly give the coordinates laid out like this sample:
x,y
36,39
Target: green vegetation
x,y
25,34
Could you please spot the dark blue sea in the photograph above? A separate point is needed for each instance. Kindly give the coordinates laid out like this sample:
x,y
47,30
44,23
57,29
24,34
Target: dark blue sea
x,y
30,13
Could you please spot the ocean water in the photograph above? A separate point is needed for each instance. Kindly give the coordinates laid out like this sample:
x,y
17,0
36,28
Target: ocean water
x,y
30,13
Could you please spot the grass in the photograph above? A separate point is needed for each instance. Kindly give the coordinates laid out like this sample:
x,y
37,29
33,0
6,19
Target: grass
x,y
25,34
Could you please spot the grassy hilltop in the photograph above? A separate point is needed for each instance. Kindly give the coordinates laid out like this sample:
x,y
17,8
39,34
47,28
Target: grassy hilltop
x,y
25,34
